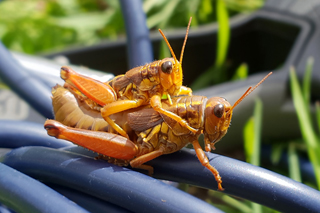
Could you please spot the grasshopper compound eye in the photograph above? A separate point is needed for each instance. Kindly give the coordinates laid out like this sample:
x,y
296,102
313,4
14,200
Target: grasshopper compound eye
x,y
166,67
218,110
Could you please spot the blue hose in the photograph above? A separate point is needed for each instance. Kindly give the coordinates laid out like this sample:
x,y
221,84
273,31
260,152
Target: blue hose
x,y
240,179
88,202
24,194
21,82
14,134
139,44
117,185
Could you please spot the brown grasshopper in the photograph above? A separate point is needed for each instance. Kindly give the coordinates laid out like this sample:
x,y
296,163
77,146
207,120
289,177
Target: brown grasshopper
x,y
151,133
142,85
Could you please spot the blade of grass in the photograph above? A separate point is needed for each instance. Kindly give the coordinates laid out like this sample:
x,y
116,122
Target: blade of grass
x,y
294,166
307,82
205,9
222,207
241,72
252,134
257,132
223,33
253,142
276,153
240,205
164,50
249,139
236,204
318,114
162,17
213,73
255,160
305,123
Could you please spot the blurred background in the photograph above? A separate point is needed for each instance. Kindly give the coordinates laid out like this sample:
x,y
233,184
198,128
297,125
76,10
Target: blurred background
x,y
234,41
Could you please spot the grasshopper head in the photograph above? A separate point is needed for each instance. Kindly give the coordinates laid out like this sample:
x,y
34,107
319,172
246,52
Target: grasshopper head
x,y
218,114
170,74
170,68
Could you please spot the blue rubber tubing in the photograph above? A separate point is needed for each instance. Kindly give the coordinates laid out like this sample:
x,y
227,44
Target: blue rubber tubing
x,y
33,91
24,194
14,134
118,185
239,178
138,42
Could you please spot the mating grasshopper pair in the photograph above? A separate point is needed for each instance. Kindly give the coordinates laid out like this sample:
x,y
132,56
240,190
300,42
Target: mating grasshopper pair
x,y
125,120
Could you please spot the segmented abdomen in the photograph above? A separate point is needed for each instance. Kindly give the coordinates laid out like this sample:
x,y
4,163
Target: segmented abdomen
x,y
74,113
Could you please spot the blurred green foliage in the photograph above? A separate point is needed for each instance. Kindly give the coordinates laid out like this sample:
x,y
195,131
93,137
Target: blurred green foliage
x,y
34,26
301,100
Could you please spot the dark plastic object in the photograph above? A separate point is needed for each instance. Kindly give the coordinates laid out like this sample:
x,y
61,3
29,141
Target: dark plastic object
x,y
14,134
121,186
27,87
30,195
138,43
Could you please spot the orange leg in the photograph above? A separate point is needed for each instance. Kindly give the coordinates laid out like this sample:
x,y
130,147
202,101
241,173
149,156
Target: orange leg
x,y
155,102
139,161
103,143
95,90
205,162
119,106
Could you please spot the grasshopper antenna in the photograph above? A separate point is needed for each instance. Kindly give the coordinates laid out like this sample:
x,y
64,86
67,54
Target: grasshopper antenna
x,y
185,41
166,40
249,90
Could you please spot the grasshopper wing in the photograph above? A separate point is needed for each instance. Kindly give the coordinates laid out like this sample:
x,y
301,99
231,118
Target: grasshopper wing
x,y
144,119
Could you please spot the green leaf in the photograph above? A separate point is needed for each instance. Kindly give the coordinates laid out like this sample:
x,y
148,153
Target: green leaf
x,y
241,72
236,204
294,166
244,6
252,135
148,5
249,139
276,153
305,123
307,82
205,9
162,17
257,132
223,33
213,74
252,141
301,109
318,113
164,50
